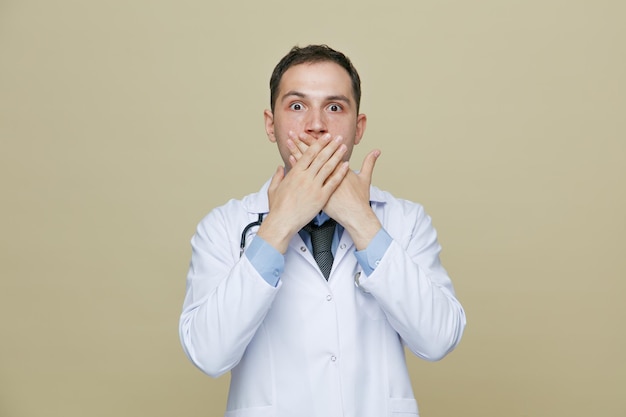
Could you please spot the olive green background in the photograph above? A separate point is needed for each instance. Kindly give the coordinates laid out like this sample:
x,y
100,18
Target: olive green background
x,y
122,123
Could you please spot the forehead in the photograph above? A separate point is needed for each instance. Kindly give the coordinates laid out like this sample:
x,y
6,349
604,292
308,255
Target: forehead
x,y
317,78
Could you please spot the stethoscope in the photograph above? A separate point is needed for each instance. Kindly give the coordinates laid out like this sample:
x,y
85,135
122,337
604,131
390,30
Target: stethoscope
x,y
246,229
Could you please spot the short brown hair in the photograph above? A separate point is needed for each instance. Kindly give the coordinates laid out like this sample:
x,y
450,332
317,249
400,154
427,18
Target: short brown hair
x,y
311,54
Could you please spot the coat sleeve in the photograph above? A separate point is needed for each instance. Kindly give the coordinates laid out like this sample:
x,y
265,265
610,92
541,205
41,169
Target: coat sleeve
x,y
412,287
226,299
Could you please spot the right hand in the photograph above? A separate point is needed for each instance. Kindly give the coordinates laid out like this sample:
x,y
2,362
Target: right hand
x,y
349,204
295,198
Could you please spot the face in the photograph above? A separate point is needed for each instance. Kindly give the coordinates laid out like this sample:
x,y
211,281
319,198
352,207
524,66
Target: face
x,y
314,99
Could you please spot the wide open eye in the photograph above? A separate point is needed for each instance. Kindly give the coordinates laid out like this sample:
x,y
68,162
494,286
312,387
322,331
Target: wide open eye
x,y
335,107
297,106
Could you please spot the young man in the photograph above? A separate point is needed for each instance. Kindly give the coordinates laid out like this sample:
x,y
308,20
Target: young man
x,y
311,314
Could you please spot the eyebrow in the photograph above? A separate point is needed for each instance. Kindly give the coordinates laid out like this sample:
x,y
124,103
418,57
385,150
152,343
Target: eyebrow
x,y
339,97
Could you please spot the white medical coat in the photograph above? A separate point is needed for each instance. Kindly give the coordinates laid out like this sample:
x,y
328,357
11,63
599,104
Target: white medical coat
x,y
311,347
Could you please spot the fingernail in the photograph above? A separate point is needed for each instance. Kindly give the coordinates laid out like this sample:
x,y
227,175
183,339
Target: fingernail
x,y
338,139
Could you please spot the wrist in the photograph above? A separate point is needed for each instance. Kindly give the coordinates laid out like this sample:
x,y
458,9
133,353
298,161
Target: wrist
x,y
362,229
276,233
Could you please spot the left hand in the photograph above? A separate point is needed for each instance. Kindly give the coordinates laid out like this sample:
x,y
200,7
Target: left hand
x,y
349,204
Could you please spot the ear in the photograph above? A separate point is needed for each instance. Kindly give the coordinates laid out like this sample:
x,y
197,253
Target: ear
x,y
269,125
361,122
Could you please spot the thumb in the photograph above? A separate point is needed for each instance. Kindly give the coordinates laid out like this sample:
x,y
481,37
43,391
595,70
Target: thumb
x,y
368,165
277,178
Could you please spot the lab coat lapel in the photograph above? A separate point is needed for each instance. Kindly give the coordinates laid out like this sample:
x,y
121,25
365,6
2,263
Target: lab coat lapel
x,y
346,246
297,247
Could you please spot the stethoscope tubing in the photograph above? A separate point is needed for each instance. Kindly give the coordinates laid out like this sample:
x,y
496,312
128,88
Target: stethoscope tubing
x,y
242,245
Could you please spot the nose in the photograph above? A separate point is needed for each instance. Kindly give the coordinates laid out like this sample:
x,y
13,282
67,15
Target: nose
x,y
316,123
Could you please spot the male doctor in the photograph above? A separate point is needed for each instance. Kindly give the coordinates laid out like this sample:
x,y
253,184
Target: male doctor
x,y
311,308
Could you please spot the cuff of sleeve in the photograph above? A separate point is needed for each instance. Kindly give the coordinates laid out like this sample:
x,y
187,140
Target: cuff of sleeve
x,y
268,262
370,257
